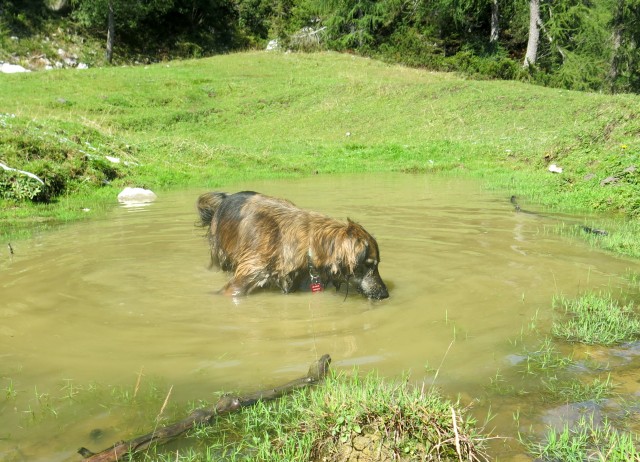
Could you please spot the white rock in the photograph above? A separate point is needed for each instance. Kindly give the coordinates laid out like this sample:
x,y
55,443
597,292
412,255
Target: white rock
x,y
82,66
136,196
113,160
272,45
7,68
553,168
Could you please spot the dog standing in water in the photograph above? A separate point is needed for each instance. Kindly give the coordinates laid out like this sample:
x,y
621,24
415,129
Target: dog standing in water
x,y
267,241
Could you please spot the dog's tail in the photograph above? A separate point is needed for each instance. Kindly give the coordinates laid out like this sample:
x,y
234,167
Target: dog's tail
x,y
207,204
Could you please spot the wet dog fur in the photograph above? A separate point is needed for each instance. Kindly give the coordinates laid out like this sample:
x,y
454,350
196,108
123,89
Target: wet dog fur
x,y
267,241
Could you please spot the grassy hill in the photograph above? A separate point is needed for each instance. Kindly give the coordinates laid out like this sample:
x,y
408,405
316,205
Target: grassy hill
x,y
217,120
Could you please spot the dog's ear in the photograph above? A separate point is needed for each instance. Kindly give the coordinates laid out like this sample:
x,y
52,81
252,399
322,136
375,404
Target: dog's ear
x,y
362,249
359,241
353,228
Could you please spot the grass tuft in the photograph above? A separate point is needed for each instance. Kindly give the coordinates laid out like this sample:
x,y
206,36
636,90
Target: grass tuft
x,y
347,417
586,441
596,319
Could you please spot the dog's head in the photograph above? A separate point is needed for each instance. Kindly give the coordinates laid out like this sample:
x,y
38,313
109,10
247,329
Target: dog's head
x,y
354,258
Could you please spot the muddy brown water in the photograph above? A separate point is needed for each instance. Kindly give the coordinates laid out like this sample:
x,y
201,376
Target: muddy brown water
x,y
99,301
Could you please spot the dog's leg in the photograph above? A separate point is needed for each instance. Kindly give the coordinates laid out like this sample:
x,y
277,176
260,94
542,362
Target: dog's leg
x,y
233,289
246,278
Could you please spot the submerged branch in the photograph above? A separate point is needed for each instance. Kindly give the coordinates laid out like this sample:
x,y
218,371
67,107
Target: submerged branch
x,y
205,416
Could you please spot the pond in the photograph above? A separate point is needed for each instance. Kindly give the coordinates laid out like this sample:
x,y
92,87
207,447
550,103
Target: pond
x,y
106,301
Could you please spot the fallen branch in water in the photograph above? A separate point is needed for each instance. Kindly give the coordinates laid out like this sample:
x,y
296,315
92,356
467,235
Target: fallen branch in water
x,y
205,416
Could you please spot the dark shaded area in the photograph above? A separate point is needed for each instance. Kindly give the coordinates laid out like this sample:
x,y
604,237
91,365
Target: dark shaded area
x,y
583,46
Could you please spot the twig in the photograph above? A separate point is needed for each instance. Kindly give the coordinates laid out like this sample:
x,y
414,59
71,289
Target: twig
x,y
205,416
135,390
455,432
164,405
441,363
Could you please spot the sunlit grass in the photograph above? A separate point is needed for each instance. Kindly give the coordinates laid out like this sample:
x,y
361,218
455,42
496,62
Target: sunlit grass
x,y
587,440
324,423
550,375
237,117
576,389
596,319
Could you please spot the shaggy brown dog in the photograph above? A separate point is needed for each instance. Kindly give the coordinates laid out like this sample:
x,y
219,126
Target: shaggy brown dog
x,y
270,242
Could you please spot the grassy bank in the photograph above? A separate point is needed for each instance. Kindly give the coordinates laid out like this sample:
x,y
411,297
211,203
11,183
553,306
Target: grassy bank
x,y
348,417
267,115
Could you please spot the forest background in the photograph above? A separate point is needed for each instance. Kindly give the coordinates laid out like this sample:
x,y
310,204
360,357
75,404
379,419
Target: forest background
x,y
589,45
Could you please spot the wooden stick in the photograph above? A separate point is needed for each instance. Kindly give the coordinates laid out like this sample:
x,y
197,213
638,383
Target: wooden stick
x,y
205,416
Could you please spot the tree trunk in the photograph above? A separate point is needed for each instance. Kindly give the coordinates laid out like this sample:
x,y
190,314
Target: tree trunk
x,y
614,65
495,22
534,33
111,29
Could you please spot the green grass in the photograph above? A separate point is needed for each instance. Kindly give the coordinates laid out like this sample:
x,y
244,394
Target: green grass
x,y
325,422
586,441
576,389
544,358
596,319
219,120
401,420
550,376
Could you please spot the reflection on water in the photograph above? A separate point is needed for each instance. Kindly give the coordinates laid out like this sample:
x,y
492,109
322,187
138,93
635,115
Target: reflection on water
x,y
96,302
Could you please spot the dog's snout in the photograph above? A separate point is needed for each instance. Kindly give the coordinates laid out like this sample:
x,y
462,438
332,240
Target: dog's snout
x,y
374,287
384,293
381,293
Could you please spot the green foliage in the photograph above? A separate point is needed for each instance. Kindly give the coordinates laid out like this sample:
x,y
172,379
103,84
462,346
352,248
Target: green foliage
x,y
596,319
324,423
355,25
625,24
128,15
586,440
62,156
584,45
17,187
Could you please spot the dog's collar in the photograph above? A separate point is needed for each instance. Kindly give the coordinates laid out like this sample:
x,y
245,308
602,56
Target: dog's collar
x,y
316,282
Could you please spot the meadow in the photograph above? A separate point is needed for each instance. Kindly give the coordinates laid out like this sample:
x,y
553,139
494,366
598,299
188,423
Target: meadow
x,y
218,120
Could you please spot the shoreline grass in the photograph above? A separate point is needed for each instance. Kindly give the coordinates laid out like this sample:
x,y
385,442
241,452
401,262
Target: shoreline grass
x,y
587,440
346,417
595,319
592,427
347,413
